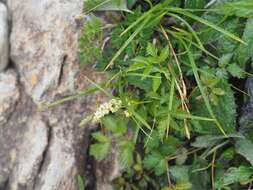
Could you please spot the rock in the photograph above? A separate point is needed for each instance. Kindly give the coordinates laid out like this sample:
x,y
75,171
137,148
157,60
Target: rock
x,y
9,95
44,43
4,35
45,150
108,170
30,155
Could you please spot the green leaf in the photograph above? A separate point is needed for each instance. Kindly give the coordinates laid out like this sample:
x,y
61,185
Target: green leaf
x,y
151,160
116,124
244,148
106,5
236,71
136,66
225,111
218,91
181,156
161,167
195,4
245,52
147,71
153,142
205,141
142,84
162,126
207,23
100,151
225,59
131,3
235,175
156,82
151,50
203,93
126,153
80,183
181,186
164,54
242,8
180,173
100,137
90,41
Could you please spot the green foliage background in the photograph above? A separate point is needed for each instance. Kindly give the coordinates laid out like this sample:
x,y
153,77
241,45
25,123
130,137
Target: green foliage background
x,y
172,64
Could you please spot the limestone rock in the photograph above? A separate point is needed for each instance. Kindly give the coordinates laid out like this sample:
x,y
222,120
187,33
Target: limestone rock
x,y
44,150
4,35
30,155
44,43
9,94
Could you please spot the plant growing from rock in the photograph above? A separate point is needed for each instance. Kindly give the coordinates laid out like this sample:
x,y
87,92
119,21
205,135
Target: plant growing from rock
x,y
173,70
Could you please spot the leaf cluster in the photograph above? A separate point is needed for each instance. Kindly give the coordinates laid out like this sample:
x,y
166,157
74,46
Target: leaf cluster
x,y
171,64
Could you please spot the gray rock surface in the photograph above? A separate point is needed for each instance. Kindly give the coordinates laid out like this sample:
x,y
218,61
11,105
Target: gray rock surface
x,y
44,43
9,94
42,150
45,150
4,35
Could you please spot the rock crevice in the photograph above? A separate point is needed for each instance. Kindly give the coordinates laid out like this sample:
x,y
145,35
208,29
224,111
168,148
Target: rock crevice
x,y
43,150
38,150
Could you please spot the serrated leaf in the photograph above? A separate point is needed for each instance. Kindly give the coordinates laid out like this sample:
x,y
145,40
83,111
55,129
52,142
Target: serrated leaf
x,y
244,148
90,40
181,156
180,173
147,71
117,125
151,50
156,82
136,66
162,126
161,167
243,8
235,175
153,142
164,54
225,59
142,84
225,111
151,160
100,151
236,71
100,137
126,153
206,141
244,52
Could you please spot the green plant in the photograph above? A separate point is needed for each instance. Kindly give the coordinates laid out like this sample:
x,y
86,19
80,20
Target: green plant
x,y
172,115
80,183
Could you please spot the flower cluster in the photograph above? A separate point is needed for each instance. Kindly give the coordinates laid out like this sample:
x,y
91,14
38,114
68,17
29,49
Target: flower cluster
x,y
112,106
127,114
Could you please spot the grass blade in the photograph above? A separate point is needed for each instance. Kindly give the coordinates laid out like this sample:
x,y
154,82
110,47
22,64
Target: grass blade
x,y
207,23
136,32
206,100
